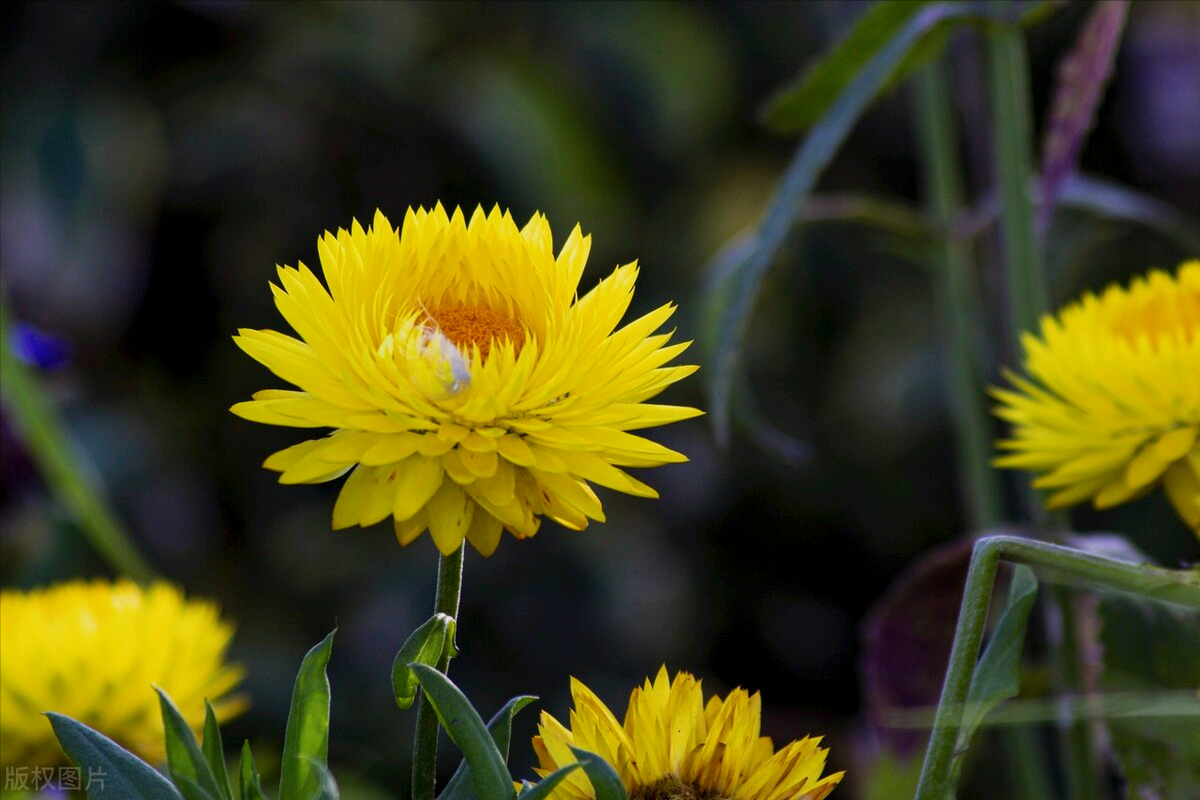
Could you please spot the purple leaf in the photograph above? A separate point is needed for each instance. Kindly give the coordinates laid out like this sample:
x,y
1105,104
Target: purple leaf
x,y
1082,76
906,639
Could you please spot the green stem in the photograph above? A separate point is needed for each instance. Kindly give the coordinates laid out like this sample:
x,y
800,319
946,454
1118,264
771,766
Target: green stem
x,y
424,767
66,470
956,296
1055,563
1012,127
1075,736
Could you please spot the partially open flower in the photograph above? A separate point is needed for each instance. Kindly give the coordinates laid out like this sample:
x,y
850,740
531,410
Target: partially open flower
x,y
674,746
1111,405
469,388
93,651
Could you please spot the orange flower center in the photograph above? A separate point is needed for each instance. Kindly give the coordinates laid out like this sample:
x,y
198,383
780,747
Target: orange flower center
x,y
474,325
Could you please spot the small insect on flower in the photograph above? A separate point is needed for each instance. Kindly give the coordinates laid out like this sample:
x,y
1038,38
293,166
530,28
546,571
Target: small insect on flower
x,y
470,388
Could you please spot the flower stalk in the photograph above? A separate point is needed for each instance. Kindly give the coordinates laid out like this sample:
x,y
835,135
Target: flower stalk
x,y
449,592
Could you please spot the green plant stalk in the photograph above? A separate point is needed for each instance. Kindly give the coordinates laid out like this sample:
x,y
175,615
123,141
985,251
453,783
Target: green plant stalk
x,y
64,468
956,296
449,592
1012,126
1012,130
1081,767
1055,563
957,302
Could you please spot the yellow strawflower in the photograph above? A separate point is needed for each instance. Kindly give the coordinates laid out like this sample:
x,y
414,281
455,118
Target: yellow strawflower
x,y
1111,405
673,746
469,387
93,651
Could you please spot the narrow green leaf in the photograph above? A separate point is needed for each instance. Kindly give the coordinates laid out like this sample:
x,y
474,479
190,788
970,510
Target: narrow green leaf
x,y
542,789
214,751
248,773
733,298
119,774
307,736
462,722
460,787
189,769
798,105
605,781
425,645
998,674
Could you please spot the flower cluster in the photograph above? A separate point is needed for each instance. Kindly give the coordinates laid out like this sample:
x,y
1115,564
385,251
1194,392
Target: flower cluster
x,y
1110,407
93,649
469,388
674,746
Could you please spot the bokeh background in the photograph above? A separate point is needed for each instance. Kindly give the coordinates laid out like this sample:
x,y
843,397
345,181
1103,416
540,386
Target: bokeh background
x,y
159,159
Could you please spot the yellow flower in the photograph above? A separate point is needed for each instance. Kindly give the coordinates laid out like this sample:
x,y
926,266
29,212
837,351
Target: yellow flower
x,y
469,388
92,650
1111,407
675,747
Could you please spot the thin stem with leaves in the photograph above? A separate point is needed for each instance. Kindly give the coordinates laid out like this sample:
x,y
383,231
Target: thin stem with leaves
x,y
424,766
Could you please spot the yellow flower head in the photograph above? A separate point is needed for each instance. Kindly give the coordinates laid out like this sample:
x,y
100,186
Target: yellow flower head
x,y
92,650
1111,407
469,388
673,746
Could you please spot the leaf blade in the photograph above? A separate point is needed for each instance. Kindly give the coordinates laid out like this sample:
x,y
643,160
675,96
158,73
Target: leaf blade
x,y
125,776
187,764
425,645
462,723
306,738
214,751
500,728
997,676
605,780
248,778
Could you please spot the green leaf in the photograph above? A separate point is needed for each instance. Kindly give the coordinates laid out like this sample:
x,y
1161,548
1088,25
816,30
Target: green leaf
x,y
425,645
462,722
124,775
249,781
605,781
796,106
189,769
542,789
214,751
997,676
1154,649
307,736
731,298
460,787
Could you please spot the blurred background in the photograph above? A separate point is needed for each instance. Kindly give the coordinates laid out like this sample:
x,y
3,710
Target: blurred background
x,y
159,159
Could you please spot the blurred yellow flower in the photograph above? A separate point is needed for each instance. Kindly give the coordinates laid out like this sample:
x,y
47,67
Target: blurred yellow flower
x,y
93,650
469,388
1111,405
675,747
